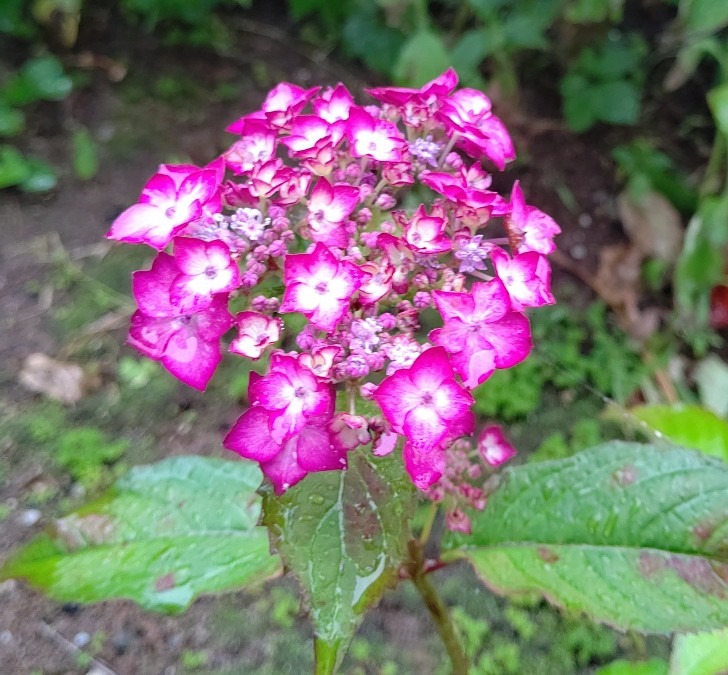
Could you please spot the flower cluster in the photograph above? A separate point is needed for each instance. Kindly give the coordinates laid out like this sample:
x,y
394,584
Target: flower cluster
x,y
367,216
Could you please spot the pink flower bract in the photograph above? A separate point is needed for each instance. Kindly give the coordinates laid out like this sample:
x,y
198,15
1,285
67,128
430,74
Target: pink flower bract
x,y
481,331
426,405
319,286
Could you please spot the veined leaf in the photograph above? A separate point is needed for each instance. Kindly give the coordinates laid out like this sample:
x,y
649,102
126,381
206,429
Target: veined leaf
x,y
162,535
633,535
344,535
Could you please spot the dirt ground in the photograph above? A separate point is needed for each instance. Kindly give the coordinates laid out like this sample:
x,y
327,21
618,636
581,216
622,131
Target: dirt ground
x,y
138,123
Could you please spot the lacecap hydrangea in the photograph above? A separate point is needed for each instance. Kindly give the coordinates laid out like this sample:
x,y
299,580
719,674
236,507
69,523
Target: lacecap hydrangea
x,y
366,217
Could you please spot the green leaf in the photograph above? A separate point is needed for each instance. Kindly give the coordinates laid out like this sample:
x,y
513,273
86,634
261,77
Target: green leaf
x,y
344,535
702,260
468,53
39,79
85,161
366,37
42,176
718,102
688,425
14,168
616,102
704,16
12,121
594,11
624,667
633,535
423,57
648,167
700,654
162,535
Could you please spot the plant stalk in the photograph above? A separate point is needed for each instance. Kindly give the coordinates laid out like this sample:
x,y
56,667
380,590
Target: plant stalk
x,y
438,610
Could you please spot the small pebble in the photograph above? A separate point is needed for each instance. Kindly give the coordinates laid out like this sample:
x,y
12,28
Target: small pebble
x,y
29,517
81,639
578,251
78,491
585,220
6,637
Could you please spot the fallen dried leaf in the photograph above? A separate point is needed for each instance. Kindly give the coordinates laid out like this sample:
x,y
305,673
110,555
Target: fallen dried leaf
x,y
653,224
59,380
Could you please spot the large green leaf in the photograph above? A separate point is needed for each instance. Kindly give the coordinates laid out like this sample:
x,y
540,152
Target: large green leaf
x,y
161,536
687,425
344,535
633,535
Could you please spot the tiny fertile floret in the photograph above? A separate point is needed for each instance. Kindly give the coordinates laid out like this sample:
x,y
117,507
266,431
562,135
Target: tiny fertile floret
x,y
297,249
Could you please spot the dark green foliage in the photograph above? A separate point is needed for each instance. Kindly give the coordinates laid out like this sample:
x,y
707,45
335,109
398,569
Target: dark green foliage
x,y
570,353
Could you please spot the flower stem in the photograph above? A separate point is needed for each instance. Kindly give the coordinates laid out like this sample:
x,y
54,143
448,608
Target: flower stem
x,y
438,610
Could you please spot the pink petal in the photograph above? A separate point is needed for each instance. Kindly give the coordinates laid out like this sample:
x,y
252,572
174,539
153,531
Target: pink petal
x,y
151,287
283,470
316,452
493,446
191,360
425,468
424,428
250,436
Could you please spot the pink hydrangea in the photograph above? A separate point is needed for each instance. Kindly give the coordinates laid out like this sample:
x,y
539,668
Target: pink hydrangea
x,y
317,208
526,276
206,268
256,332
532,228
493,446
481,332
165,207
186,344
309,450
428,407
328,208
319,286
377,139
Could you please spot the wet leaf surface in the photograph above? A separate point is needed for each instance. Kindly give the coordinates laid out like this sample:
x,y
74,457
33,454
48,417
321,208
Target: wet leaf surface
x,y
633,535
162,535
344,535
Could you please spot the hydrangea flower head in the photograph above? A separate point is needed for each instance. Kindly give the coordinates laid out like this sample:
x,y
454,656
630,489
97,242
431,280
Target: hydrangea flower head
x,y
308,226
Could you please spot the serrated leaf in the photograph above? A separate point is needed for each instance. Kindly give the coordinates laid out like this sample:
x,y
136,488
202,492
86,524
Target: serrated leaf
x,y
423,57
700,654
688,425
344,535
633,535
164,534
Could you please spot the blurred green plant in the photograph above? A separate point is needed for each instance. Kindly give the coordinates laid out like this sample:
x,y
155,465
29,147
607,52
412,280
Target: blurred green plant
x,y
572,352
604,83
